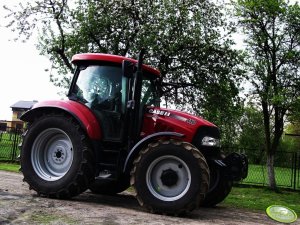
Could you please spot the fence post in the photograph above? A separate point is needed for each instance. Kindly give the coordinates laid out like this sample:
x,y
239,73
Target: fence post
x,y
294,170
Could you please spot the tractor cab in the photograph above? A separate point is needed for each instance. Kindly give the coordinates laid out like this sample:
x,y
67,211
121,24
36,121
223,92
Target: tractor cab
x,y
100,84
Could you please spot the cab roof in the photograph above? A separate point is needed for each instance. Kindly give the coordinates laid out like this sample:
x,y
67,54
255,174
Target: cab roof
x,y
110,58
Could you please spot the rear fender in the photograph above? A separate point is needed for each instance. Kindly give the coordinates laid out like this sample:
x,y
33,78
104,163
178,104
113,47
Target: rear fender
x,y
144,142
79,112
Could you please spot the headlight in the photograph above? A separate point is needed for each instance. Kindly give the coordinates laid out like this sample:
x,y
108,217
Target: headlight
x,y
210,141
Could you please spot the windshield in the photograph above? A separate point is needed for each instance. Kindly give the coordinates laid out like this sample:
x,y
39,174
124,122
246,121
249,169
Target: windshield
x,y
97,84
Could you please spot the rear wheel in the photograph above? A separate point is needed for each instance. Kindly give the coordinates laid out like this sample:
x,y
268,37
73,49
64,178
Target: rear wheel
x,y
166,177
56,159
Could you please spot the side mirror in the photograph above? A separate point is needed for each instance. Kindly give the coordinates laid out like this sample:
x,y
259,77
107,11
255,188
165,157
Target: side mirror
x,y
127,69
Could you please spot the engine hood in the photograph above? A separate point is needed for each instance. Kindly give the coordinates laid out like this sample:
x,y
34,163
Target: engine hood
x,y
161,119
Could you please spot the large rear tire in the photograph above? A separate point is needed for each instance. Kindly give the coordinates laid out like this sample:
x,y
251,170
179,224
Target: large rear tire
x,y
166,179
56,159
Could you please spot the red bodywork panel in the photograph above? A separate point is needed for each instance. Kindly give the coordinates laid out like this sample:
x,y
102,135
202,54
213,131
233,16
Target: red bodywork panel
x,y
82,113
159,119
155,119
109,58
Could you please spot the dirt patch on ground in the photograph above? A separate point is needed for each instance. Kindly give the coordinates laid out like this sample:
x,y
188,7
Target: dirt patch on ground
x,y
18,205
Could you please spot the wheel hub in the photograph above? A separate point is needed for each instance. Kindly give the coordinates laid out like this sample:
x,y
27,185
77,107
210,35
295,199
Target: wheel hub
x,y
52,154
169,177
59,154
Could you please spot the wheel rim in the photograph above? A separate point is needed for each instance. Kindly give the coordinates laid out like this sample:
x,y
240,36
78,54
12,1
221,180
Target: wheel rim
x,y
168,178
52,154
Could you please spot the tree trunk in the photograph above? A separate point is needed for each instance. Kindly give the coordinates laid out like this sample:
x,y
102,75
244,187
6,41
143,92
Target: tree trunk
x,y
271,171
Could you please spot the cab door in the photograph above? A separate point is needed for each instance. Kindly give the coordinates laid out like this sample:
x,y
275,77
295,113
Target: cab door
x,y
100,88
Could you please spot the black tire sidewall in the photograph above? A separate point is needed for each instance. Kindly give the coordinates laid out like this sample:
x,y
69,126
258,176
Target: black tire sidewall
x,y
37,183
141,183
221,187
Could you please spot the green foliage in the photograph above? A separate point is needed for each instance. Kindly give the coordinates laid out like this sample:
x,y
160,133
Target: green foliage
x,y
273,45
289,144
291,139
294,112
274,50
251,129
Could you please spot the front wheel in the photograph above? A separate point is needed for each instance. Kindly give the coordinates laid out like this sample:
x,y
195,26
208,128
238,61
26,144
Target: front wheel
x,y
219,187
56,159
166,177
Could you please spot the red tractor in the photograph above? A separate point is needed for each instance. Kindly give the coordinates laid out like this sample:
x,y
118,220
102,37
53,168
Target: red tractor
x,y
112,133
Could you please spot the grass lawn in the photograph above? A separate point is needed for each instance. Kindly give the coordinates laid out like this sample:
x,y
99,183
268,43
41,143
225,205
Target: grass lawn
x,y
10,167
259,198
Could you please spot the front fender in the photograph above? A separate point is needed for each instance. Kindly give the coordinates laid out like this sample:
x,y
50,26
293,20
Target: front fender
x,y
145,141
80,112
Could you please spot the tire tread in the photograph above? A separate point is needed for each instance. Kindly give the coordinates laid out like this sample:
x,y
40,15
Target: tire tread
x,y
84,174
201,162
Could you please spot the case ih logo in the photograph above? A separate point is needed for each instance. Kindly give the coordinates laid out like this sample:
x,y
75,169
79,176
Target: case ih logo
x,y
191,121
159,112
177,117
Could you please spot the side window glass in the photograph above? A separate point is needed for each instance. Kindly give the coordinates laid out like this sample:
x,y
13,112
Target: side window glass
x,y
97,84
146,91
100,88
92,85
148,94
